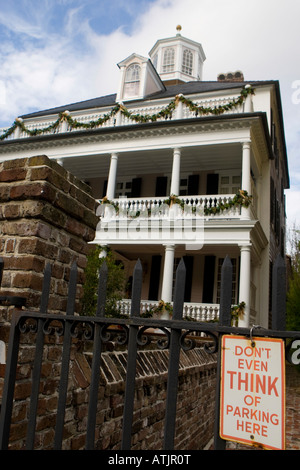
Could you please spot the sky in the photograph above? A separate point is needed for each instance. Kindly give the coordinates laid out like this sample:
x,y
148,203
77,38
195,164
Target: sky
x,y
55,52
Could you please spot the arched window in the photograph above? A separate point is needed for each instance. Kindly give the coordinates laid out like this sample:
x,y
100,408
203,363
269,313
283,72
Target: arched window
x,y
168,60
132,80
187,62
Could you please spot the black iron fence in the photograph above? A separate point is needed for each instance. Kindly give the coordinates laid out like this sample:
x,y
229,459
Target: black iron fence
x,y
178,334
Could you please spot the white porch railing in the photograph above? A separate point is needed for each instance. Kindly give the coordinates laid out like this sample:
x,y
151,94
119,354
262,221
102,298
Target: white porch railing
x,y
128,208
197,311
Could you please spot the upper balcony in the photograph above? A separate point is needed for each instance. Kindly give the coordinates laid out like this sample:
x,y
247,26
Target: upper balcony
x,y
60,120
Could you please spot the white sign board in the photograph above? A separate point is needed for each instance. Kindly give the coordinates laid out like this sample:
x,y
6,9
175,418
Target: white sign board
x,y
252,408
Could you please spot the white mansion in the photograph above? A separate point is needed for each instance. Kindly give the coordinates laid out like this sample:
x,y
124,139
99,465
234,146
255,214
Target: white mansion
x,y
182,168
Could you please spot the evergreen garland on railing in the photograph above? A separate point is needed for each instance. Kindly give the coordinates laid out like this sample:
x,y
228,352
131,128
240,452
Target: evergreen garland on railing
x,y
241,198
165,113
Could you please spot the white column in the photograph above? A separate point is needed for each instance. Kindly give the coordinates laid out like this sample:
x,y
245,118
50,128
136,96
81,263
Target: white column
x,y
64,126
179,110
245,280
119,117
167,284
175,181
248,105
112,176
246,176
17,132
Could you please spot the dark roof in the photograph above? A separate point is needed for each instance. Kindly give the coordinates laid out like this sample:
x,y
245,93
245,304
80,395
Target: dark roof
x,y
188,88
103,101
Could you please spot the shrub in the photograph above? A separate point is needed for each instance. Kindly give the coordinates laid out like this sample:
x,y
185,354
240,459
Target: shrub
x,y
115,282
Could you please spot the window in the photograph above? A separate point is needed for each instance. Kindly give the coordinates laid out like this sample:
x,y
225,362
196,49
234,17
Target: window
x,y
168,60
230,184
187,62
183,189
123,188
132,81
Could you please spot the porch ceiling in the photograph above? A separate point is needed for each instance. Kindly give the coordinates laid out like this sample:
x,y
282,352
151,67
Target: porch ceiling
x,y
207,157
132,252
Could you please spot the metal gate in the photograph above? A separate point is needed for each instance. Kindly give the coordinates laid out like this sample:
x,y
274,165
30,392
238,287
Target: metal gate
x,y
132,331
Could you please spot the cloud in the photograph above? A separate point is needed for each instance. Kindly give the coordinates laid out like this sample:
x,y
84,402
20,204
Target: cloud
x,y
292,206
55,52
75,60
18,25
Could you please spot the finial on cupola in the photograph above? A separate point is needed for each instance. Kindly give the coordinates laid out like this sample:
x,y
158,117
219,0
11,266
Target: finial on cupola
x,y
178,28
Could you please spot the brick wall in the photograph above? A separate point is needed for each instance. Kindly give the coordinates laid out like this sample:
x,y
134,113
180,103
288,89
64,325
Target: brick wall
x,y
47,215
195,404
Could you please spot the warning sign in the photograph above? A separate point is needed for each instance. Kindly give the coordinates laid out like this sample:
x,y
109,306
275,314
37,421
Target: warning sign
x,y
253,391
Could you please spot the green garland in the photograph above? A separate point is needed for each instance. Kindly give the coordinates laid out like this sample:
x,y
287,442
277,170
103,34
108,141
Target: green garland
x,y
165,113
241,198
236,312
162,307
111,203
173,199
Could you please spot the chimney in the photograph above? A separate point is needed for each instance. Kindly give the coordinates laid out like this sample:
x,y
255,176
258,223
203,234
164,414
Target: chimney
x,y
231,77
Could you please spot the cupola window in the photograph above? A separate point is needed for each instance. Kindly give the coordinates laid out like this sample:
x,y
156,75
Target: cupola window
x,y
132,81
169,60
187,62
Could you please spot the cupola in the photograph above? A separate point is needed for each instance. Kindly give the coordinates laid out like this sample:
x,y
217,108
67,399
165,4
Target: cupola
x,y
178,59
172,60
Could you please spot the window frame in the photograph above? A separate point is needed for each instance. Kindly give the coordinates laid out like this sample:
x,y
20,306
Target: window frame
x,y
132,82
168,60
187,64
231,187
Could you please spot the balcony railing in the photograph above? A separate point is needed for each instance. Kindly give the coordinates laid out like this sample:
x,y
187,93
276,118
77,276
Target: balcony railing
x,y
108,119
161,220
205,206
193,310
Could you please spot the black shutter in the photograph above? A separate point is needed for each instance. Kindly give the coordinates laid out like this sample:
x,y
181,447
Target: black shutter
x,y
193,185
136,187
272,201
104,188
209,279
161,186
212,183
154,277
189,263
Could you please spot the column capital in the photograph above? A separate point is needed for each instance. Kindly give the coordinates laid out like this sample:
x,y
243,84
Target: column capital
x,y
246,144
169,246
245,247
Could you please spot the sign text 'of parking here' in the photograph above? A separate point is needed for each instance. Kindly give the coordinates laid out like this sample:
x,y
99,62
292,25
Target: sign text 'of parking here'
x,y
253,391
